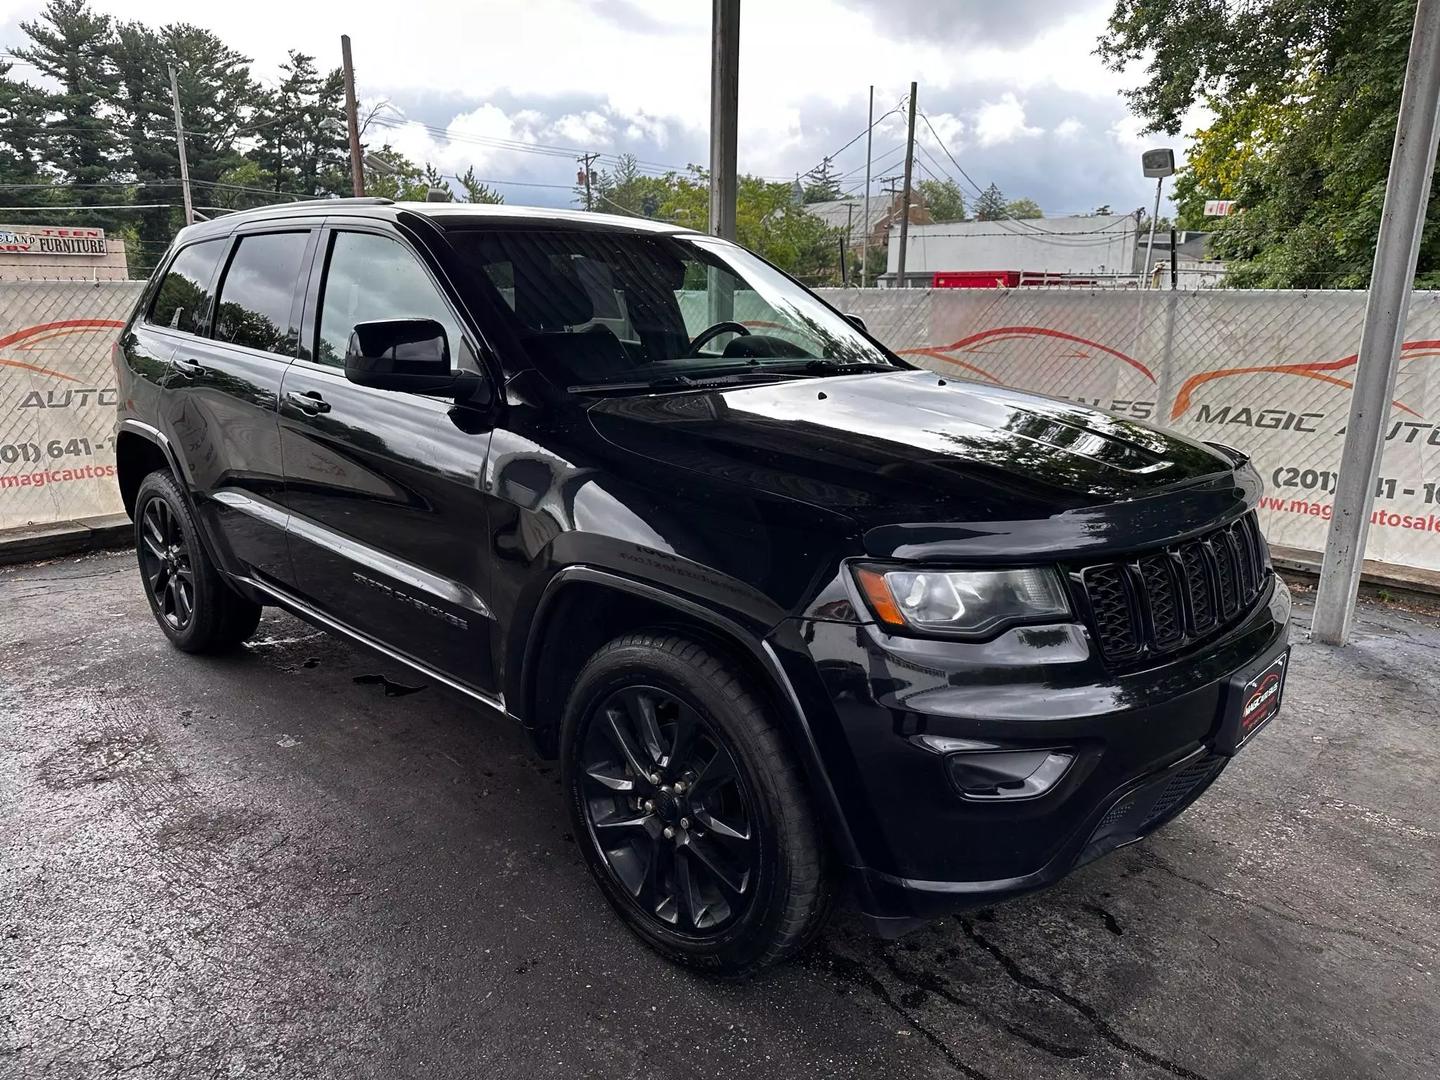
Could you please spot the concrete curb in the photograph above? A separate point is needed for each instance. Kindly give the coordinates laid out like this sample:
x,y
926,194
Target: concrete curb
x,y
1403,579
32,543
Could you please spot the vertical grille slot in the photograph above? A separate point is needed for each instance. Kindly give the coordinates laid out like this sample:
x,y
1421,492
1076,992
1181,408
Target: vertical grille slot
x,y
1227,587
1167,620
1107,590
1159,601
1197,587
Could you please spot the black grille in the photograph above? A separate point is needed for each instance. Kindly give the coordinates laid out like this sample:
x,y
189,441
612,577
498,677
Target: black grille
x,y
1162,600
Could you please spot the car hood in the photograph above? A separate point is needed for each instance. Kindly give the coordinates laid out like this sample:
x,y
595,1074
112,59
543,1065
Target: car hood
x,y
928,466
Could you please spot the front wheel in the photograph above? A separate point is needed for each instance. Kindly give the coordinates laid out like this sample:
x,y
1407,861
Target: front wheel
x,y
192,602
689,806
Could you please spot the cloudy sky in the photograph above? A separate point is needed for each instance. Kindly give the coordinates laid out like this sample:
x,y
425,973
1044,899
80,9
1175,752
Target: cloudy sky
x,y
1012,88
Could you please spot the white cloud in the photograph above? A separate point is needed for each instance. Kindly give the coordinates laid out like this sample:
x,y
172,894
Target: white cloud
x,y
1069,128
1003,121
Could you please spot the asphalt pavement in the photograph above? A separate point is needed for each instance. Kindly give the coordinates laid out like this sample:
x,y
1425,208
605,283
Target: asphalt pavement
x,y
304,861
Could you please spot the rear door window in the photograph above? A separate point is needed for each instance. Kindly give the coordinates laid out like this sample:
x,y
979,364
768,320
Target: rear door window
x,y
183,300
258,293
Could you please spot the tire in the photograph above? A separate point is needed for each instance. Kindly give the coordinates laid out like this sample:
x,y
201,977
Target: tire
x,y
745,881
194,605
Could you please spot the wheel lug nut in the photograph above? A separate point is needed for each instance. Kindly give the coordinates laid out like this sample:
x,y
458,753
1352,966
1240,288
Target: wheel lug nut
x,y
649,806
669,833
654,778
684,823
679,786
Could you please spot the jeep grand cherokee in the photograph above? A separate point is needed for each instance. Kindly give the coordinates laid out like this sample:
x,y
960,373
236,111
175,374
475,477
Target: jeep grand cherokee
x,y
796,617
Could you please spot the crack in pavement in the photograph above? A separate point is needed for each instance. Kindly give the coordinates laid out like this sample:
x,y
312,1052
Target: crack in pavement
x,y
939,985
854,972
1151,859
1102,1026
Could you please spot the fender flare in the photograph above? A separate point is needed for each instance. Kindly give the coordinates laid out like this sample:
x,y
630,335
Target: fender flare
x,y
756,647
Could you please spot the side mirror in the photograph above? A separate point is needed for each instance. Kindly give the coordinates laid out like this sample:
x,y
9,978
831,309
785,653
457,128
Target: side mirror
x,y
402,354
857,322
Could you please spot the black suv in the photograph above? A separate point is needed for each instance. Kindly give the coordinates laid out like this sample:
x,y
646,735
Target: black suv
x,y
795,615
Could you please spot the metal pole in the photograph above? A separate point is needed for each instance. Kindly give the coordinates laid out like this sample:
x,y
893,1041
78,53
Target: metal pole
x,y
1174,262
865,235
352,120
724,110
905,200
1150,244
1407,194
180,145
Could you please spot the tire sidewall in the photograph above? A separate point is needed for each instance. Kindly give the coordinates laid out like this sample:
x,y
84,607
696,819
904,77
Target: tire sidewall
x,y
195,635
633,664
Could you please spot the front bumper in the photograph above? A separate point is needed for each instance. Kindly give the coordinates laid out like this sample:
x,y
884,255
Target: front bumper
x,y
1143,744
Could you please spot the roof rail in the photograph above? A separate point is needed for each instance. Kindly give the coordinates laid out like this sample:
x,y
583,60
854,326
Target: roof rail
x,y
349,200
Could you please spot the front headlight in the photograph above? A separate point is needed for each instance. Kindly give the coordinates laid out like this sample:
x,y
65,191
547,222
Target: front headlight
x,y
970,602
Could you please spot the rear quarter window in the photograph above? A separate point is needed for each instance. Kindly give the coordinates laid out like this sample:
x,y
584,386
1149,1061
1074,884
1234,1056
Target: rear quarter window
x,y
183,300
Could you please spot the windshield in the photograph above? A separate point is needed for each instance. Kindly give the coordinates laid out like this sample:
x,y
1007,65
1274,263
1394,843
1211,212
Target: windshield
x,y
596,309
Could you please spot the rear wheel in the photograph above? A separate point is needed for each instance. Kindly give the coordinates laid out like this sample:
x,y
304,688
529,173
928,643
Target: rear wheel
x,y
195,607
690,808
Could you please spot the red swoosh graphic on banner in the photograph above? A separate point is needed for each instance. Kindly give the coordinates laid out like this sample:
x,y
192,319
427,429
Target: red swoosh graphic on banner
x,y
1011,333
1410,350
33,335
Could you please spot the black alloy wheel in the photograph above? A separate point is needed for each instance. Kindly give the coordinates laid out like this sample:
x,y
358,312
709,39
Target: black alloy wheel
x,y
196,607
166,566
669,811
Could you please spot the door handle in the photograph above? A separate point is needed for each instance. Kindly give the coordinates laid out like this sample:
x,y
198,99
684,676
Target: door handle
x,y
310,402
186,367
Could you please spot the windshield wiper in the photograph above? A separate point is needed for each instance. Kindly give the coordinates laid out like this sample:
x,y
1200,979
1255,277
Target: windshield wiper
x,y
837,367
684,382
662,383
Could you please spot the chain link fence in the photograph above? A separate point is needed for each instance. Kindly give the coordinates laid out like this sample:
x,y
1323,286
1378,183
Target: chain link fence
x,y
57,399
1268,372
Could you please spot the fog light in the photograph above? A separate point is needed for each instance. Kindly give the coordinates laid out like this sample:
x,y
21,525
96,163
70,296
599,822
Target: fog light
x,y
1007,774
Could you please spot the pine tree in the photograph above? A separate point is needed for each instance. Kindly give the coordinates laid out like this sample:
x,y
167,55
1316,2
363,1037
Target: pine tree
x,y
821,183
74,46
990,206
476,191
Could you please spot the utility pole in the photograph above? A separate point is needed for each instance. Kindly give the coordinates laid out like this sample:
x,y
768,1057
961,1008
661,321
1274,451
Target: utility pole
x,y
865,226
180,145
724,109
1402,220
905,200
586,160
357,167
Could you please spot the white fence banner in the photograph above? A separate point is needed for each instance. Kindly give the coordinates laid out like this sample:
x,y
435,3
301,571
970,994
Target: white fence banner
x,y
57,399
1267,372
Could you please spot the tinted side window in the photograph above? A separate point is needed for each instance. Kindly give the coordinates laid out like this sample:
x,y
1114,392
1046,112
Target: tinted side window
x,y
183,300
258,291
373,277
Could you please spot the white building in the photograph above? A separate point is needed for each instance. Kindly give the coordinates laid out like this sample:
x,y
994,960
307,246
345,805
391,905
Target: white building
x,y
1091,247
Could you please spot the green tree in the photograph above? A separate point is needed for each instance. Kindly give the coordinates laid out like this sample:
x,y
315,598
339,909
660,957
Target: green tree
x,y
217,96
1023,208
477,191
990,206
821,183
300,130
1304,95
24,175
72,45
943,198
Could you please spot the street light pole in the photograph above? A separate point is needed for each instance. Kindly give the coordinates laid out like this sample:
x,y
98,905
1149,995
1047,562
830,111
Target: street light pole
x,y
1402,221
